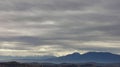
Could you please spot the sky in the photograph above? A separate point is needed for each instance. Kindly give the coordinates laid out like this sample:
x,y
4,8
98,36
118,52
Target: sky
x,y
59,27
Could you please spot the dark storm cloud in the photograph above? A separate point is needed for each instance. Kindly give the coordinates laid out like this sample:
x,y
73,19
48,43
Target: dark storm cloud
x,y
30,24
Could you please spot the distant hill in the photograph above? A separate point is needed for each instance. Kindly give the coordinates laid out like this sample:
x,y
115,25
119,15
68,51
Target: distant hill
x,y
98,57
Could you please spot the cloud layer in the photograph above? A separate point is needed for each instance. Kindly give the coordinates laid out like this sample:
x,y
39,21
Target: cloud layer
x,y
59,27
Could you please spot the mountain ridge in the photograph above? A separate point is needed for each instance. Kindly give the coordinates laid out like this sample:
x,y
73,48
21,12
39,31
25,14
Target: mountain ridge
x,y
99,57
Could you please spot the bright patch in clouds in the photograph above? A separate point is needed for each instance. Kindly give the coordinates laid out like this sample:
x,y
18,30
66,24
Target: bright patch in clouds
x,y
48,23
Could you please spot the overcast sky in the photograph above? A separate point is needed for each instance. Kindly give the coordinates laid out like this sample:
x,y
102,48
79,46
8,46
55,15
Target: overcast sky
x,y
59,27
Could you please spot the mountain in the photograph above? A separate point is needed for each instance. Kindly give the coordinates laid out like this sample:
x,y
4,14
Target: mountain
x,y
98,57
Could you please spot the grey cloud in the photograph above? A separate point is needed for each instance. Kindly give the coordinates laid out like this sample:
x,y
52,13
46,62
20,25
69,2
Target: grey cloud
x,y
47,4
57,4
112,5
28,22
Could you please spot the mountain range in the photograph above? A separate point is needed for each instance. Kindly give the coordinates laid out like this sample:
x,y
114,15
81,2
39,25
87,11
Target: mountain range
x,y
98,57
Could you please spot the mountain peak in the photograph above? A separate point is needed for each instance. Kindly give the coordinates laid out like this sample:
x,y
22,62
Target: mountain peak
x,y
76,53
